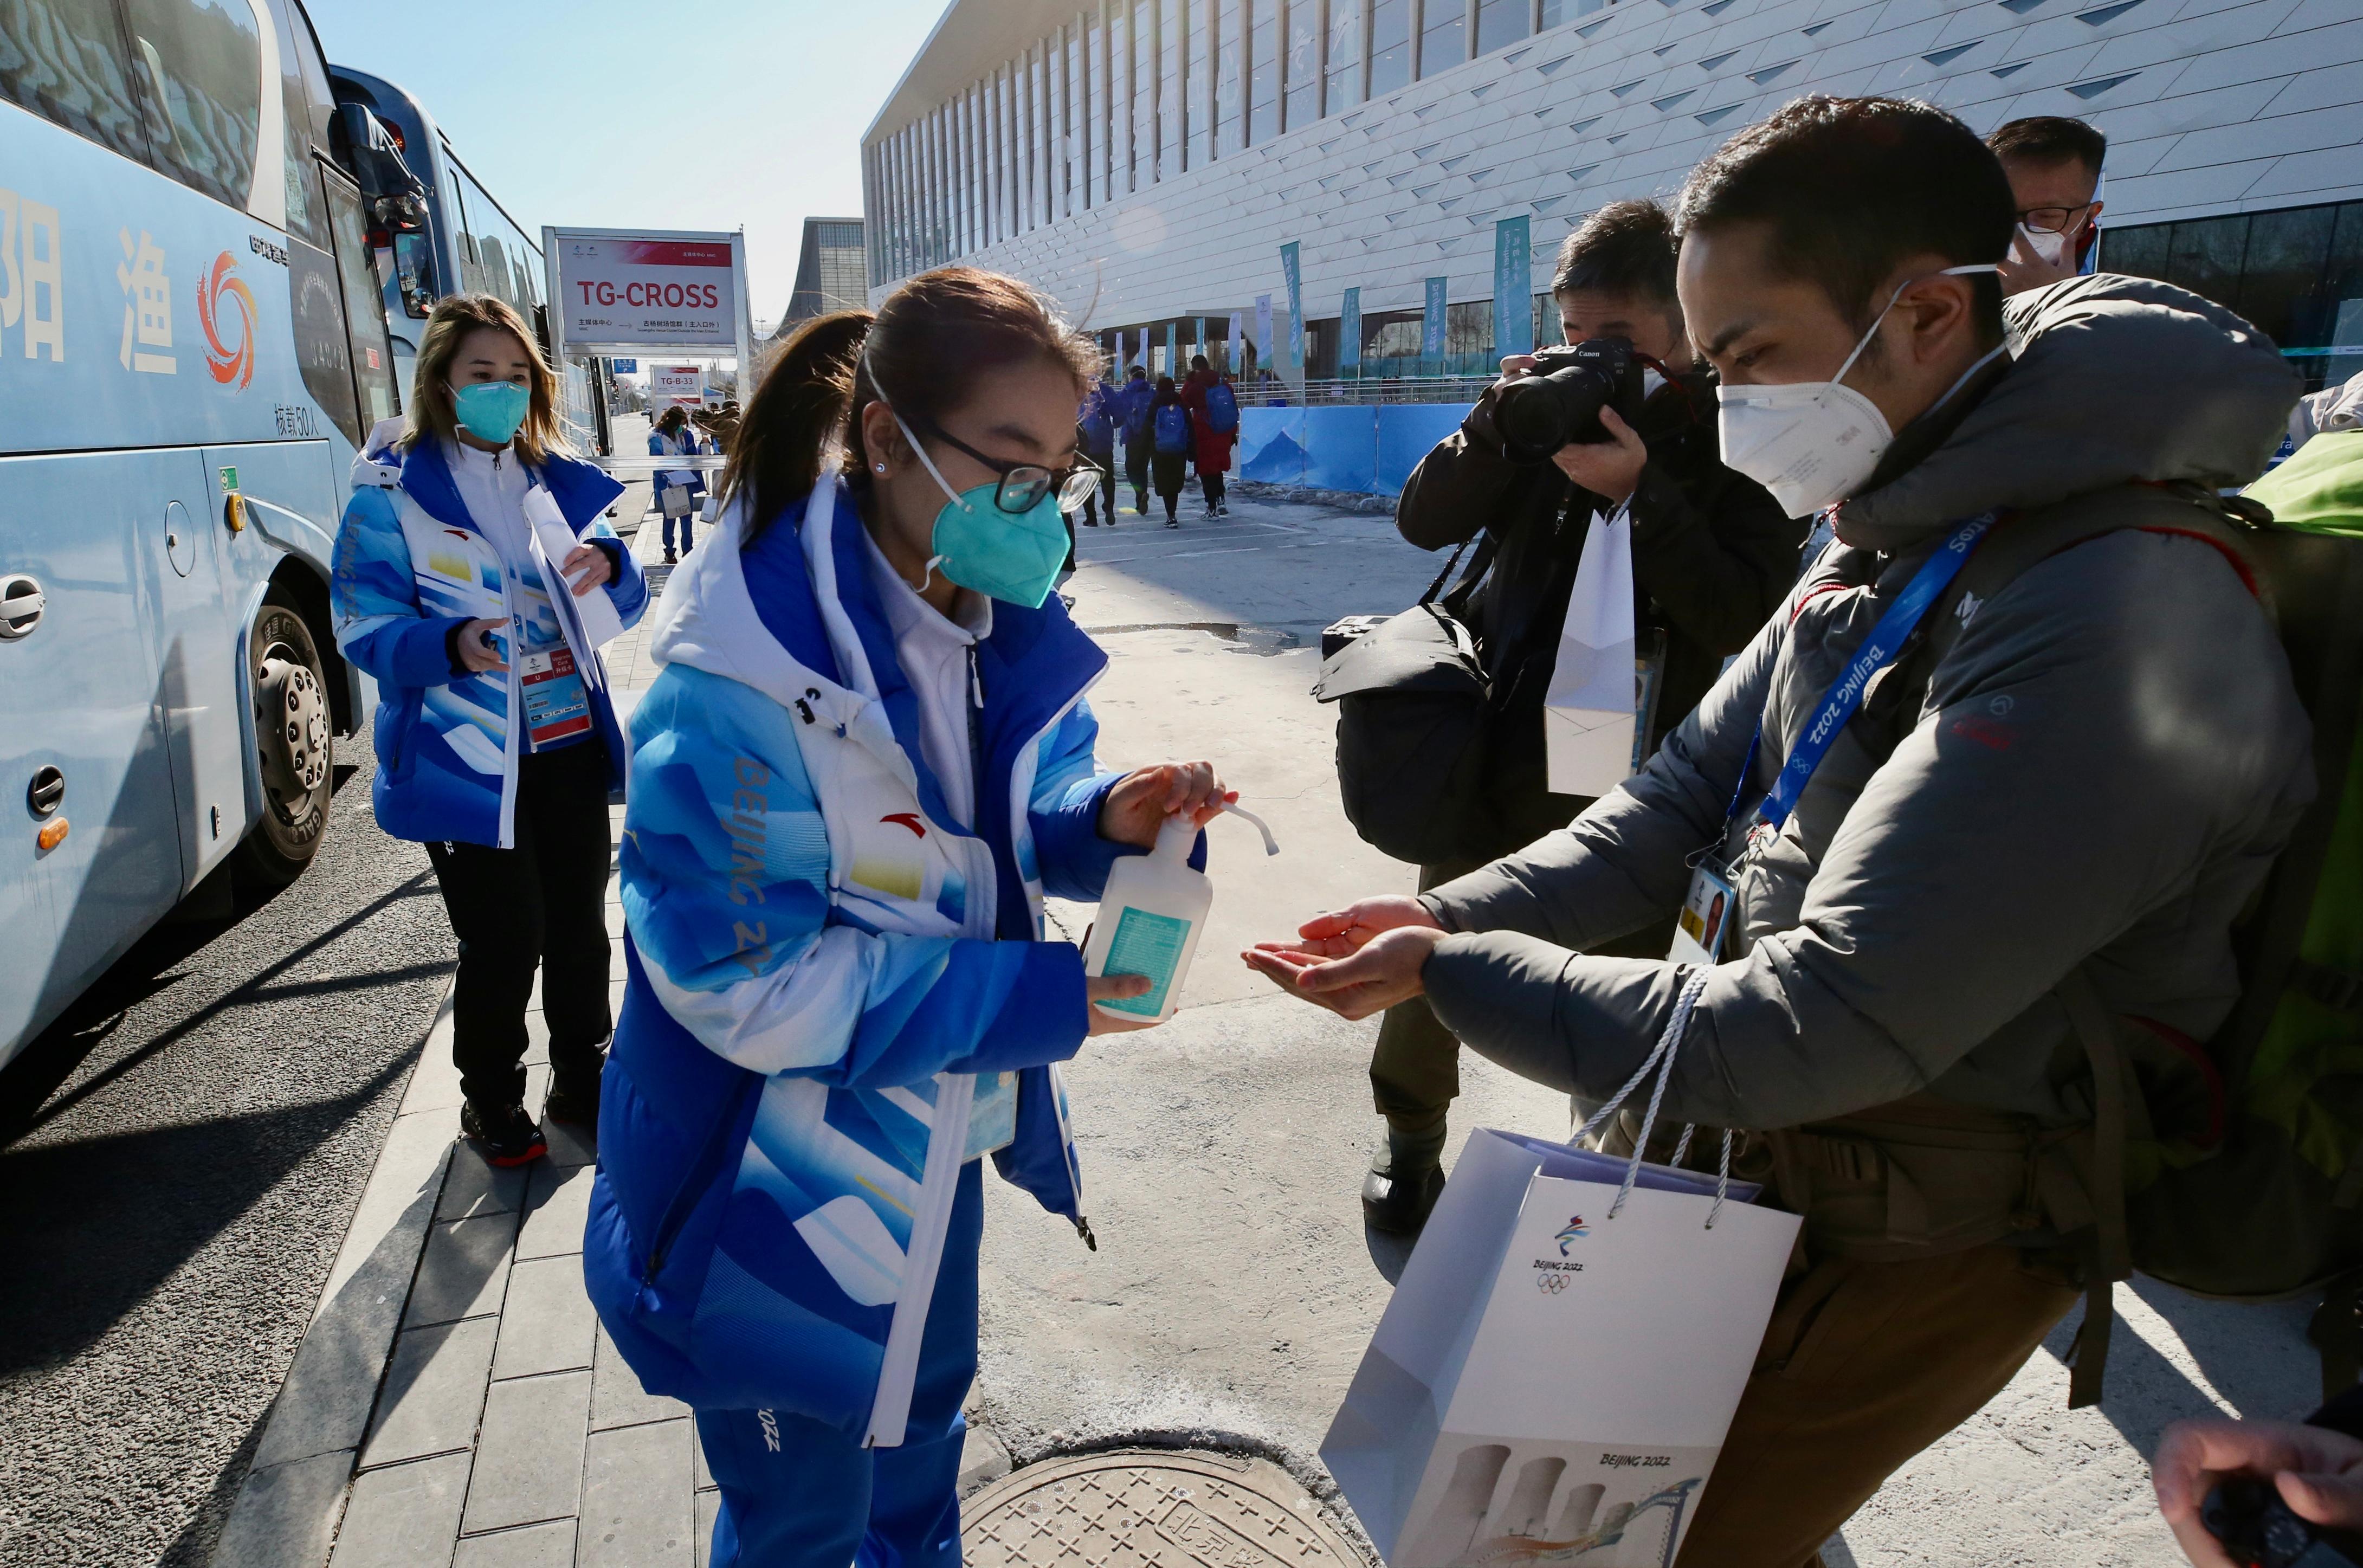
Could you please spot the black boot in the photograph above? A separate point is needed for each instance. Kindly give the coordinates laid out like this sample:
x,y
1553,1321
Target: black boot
x,y
1404,1182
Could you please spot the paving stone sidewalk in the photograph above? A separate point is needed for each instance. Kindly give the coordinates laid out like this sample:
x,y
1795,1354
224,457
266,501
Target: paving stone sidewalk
x,y
455,1403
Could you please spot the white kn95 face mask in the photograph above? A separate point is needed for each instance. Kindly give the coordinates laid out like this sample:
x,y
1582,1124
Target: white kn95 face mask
x,y
1812,443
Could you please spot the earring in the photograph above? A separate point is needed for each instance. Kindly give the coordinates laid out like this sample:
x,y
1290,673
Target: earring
x,y
879,466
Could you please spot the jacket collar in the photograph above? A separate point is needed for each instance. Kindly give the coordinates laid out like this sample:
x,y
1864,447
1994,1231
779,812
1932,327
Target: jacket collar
x,y
1033,665
581,491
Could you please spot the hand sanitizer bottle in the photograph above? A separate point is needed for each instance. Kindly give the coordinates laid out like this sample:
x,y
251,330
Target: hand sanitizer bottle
x,y
1150,916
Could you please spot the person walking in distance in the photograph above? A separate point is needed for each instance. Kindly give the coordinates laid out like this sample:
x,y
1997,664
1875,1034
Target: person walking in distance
x,y
1132,417
1095,424
2053,166
677,488
1935,859
1712,555
494,750
1214,426
865,761
1170,432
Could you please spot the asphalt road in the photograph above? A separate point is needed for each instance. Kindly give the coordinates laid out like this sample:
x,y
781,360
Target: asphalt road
x,y
179,1159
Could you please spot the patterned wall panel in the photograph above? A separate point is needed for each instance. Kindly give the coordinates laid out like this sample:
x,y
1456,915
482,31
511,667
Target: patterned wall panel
x,y
2210,106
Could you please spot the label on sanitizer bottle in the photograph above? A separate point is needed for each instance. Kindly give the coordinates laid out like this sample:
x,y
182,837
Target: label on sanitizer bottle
x,y
1146,945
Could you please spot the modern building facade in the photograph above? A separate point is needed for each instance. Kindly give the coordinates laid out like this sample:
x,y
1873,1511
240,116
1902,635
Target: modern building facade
x,y
1147,161
831,275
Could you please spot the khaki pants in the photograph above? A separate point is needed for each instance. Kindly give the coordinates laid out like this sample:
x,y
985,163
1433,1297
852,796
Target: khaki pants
x,y
1863,1366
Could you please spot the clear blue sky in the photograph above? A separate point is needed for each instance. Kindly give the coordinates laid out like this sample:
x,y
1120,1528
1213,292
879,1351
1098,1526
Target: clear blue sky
x,y
710,115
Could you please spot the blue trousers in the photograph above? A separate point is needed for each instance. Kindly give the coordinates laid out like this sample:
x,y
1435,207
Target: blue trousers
x,y
796,1493
687,521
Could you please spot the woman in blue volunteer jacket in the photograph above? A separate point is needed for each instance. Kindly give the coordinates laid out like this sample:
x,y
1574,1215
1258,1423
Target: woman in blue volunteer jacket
x,y
864,761
673,436
496,745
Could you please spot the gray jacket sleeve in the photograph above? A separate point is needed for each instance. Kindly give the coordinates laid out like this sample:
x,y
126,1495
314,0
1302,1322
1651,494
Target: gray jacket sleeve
x,y
2113,743
1625,862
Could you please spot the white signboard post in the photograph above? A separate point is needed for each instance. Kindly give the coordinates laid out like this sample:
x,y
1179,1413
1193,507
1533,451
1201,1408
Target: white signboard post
x,y
677,383
623,291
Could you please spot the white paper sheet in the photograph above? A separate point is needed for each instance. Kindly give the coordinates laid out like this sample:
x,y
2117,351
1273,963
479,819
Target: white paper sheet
x,y
1588,712
594,614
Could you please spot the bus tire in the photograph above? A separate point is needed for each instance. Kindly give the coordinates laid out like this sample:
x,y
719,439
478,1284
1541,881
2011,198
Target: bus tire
x,y
291,723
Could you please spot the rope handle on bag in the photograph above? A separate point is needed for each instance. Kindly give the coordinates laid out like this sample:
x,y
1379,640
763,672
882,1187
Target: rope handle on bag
x,y
1660,1060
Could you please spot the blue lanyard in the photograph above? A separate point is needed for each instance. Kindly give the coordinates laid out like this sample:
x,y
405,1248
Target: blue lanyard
x,y
1845,695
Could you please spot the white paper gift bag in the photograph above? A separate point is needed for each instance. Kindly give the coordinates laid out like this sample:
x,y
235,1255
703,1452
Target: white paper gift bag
x,y
1587,710
1554,1378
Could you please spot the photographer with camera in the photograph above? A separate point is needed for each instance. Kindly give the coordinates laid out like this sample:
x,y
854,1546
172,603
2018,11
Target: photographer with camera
x,y
1545,450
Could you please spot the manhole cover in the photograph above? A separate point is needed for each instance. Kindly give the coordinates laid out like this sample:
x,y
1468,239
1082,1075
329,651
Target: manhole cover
x,y
1149,1509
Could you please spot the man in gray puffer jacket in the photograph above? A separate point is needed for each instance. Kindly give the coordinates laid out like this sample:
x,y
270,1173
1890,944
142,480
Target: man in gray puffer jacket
x,y
2096,775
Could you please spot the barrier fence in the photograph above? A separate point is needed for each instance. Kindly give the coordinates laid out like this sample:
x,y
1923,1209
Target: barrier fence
x,y
1366,448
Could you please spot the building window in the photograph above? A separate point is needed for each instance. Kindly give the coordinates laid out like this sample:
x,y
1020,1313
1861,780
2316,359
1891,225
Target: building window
x,y
1443,37
1095,112
1230,104
1263,71
1198,75
1303,77
1500,24
1345,88
1119,101
1144,94
1390,45
2296,273
1469,338
1169,89
1555,12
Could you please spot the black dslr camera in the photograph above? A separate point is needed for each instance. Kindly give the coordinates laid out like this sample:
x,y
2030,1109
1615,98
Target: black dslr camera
x,y
2257,1530
1560,400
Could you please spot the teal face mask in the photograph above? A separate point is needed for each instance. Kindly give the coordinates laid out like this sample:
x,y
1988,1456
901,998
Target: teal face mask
x,y
491,410
1011,556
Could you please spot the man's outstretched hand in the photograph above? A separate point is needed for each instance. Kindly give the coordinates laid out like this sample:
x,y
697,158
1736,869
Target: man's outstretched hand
x,y
1378,970
1340,932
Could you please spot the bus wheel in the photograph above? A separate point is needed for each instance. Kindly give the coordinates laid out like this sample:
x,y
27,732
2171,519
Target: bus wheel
x,y
290,731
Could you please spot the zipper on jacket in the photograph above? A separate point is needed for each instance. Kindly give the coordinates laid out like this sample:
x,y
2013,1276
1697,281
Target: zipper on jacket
x,y
939,1188
694,1184
975,706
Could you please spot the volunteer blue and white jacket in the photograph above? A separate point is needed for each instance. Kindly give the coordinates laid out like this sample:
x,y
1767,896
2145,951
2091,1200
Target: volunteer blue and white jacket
x,y
836,996
410,564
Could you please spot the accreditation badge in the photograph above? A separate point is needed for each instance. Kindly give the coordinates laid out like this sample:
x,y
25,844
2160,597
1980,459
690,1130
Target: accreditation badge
x,y
1706,912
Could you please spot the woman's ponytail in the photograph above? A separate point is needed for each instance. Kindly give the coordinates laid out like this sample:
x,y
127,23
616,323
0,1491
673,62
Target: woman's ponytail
x,y
793,417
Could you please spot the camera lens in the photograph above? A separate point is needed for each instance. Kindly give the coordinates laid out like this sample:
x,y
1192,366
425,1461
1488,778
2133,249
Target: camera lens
x,y
1539,415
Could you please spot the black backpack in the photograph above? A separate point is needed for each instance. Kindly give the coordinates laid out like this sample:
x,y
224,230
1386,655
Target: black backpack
x,y
1414,716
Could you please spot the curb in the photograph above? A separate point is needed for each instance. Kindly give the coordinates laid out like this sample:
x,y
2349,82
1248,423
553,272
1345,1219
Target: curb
x,y
292,1497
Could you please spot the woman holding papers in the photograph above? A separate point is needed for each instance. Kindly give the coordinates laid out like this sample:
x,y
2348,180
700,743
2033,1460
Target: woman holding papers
x,y
475,580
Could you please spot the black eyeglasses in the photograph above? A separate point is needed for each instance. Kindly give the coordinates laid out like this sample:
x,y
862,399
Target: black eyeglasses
x,y
1023,485
2053,219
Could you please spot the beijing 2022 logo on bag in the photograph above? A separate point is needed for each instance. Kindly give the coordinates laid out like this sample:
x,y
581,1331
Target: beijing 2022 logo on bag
x,y
1551,1278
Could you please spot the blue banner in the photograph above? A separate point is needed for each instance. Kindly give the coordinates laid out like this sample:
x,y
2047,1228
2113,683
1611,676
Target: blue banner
x,y
1291,269
1431,334
1172,349
1263,332
1513,286
624,367
1349,333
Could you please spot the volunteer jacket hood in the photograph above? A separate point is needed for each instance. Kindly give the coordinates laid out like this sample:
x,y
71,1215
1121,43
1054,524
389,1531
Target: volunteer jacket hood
x,y
2097,773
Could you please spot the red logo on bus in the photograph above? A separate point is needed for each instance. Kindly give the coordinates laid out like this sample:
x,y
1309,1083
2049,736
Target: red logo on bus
x,y
220,293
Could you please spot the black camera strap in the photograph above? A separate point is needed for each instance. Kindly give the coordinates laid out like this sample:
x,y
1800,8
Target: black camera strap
x,y
1478,567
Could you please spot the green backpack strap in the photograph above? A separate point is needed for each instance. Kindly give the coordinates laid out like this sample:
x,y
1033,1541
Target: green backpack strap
x,y
2110,1255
